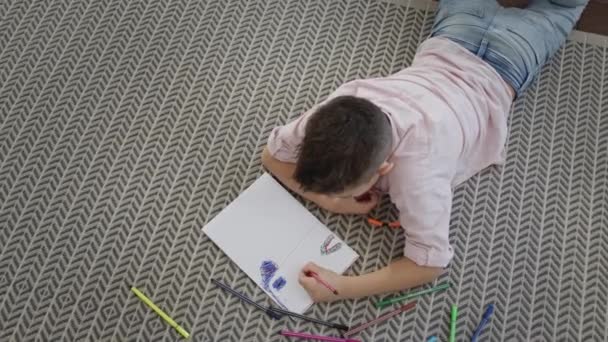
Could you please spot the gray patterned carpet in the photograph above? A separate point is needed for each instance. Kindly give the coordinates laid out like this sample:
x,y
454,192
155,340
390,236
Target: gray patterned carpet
x,y
126,125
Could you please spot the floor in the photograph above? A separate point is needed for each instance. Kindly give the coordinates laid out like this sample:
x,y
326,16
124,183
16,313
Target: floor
x,y
126,125
592,20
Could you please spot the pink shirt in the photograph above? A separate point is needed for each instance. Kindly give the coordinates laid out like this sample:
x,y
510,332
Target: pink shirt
x,y
448,113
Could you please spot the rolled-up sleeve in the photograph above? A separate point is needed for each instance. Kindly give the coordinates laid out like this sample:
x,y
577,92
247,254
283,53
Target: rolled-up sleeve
x,y
427,238
424,201
284,141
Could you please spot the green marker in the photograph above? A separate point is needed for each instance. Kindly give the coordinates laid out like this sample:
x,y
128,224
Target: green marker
x,y
160,312
384,303
453,323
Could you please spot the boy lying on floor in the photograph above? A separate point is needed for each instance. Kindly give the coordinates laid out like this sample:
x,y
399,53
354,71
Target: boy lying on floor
x,y
420,132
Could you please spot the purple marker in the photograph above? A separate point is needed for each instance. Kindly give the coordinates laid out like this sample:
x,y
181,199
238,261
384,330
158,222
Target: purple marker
x,y
315,337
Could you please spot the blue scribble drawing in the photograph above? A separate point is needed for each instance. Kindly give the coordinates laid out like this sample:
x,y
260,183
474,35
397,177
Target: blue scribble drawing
x,y
268,269
279,283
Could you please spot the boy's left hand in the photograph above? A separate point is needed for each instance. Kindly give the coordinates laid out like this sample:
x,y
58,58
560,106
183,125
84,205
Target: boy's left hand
x,y
315,289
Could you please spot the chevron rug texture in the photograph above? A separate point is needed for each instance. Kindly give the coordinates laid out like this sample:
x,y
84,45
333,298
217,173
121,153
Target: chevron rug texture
x,y
125,126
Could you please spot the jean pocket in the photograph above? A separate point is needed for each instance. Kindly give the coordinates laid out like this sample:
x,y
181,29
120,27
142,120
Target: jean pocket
x,y
459,14
531,47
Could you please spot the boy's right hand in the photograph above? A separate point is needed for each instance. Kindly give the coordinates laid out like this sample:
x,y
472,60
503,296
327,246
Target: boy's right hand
x,y
349,205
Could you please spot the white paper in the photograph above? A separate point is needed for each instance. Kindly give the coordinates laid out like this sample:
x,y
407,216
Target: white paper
x,y
265,223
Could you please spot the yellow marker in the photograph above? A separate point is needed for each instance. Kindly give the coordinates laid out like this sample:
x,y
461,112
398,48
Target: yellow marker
x,y
160,312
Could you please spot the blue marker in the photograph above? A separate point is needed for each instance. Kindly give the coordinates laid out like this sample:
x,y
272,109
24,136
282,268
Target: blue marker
x,y
484,320
432,339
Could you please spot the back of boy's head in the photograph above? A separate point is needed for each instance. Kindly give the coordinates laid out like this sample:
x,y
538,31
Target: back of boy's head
x,y
346,140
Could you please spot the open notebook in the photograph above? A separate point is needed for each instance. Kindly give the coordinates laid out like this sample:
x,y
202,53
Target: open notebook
x,y
271,236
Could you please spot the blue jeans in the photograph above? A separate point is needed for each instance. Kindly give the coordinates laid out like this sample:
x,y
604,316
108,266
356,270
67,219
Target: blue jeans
x,y
515,42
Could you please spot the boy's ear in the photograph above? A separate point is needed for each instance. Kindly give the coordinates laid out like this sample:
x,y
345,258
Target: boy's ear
x,y
385,168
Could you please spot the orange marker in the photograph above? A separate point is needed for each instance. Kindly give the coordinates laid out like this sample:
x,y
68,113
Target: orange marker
x,y
316,276
374,222
377,223
394,224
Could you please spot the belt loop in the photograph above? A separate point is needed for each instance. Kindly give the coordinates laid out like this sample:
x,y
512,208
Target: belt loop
x,y
483,46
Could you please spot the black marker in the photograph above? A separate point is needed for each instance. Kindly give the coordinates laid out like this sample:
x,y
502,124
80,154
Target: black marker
x,y
276,313
244,298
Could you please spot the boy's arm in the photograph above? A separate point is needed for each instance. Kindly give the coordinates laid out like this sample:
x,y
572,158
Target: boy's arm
x,y
284,172
400,275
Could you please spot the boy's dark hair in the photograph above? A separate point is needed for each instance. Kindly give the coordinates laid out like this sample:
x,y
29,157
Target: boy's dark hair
x,y
345,142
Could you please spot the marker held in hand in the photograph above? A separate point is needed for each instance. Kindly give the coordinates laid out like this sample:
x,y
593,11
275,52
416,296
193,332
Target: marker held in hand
x,y
323,282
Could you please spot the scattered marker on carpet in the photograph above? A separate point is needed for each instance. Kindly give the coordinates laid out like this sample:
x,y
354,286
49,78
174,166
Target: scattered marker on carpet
x,y
485,318
160,312
384,303
377,223
380,319
315,337
453,317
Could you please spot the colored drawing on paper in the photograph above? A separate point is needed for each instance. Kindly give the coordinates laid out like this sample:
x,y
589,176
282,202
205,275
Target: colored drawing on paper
x,y
279,283
334,248
268,270
325,247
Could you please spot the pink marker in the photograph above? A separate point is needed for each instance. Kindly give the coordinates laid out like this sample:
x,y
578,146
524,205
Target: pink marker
x,y
323,282
380,319
315,337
